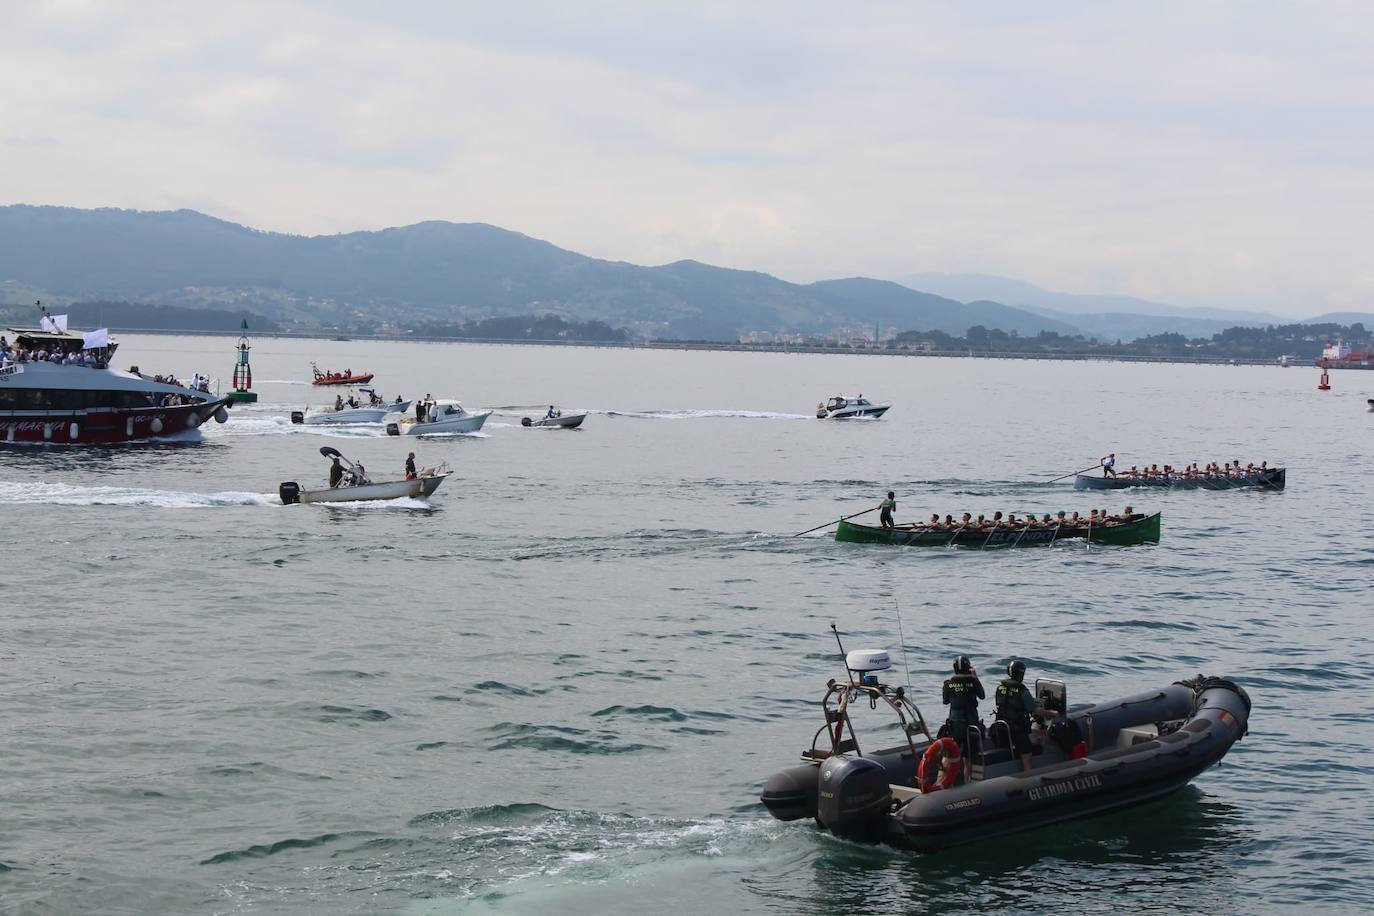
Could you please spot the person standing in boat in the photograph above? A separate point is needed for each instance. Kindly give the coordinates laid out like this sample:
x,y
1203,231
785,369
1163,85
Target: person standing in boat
x,y
335,474
410,466
1109,465
885,508
1015,706
338,402
961,694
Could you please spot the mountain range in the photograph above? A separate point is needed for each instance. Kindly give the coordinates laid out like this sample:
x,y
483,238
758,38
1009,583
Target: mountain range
x,y
440,271
445,272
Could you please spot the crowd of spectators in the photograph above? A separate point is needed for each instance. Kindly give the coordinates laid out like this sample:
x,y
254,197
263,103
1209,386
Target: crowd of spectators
x,y
11,354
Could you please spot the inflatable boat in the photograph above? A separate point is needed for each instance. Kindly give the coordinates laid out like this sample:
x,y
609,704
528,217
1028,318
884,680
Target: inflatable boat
x,y
1087,761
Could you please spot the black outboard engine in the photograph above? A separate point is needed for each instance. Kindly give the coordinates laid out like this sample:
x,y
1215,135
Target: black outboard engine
x,y
526,421
854,797
393,429
297,416
290,492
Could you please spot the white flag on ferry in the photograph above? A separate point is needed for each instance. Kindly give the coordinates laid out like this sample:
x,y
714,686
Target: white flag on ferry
x,y
94,339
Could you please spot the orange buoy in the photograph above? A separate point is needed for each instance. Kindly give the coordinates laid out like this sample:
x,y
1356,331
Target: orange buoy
x,y
1325,383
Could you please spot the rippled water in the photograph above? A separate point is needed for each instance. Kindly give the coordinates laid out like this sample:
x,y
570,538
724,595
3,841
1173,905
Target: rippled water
x,y
561,682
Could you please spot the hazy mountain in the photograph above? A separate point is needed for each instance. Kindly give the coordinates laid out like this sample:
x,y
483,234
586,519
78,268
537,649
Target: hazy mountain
x,y
439,271
1125,326
1365,318
968,287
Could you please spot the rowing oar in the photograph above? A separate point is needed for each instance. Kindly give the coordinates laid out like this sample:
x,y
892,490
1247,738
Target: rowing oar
x,y
845,519
1075,473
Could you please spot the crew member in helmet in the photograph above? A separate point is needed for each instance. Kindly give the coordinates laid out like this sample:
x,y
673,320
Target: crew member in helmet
x,y
887,507
1015,706
961,694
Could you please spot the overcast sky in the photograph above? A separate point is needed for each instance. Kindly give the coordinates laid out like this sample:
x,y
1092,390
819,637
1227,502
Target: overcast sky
x,y
1209,153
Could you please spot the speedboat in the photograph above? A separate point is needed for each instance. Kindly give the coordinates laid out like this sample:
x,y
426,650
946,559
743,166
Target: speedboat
x,y
441,417
375,411
347,377
1085,760
50,401
843,408
355,487
559,420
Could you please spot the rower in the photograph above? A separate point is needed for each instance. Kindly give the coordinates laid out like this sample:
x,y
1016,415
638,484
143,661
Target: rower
x,y
949,521
1129,514
967,520
997,519
934,521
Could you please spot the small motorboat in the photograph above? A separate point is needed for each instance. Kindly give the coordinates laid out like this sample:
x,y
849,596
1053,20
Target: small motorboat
x,y
1139,529
347,377
843,408
440,417
1265,479
1370,402
374,410
558,420
355,487
1086,760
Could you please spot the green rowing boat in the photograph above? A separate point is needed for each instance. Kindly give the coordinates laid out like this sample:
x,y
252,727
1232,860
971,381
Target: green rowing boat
x,y
1141,529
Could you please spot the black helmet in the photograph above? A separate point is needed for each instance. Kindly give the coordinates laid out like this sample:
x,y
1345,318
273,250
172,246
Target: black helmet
x,y
1016,670
962,665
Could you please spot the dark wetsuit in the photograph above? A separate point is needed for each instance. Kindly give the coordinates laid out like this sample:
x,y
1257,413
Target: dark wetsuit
x,y
961,694
410,469
335,475
419,410
1014,707
885,515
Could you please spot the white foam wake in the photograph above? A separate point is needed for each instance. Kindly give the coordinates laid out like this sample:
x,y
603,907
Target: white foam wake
x,y
61,494
703,414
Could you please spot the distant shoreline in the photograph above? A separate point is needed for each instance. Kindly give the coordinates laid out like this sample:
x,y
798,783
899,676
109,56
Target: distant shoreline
x,y
719,347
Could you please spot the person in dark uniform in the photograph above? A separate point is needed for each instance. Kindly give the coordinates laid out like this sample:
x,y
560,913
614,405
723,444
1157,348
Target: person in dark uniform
x,y
1015,706
335,474
961,694
410,466
887,507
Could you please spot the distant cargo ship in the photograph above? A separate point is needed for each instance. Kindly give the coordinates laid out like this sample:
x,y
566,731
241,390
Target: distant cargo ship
x,y
1338,355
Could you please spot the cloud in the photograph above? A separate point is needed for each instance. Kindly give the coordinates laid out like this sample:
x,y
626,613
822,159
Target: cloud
x,y
1213,154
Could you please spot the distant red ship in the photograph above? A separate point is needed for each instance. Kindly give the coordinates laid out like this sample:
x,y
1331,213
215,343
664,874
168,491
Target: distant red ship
x,y
1339,356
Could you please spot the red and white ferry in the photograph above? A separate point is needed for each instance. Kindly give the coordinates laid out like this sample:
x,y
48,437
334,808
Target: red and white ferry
x,y
51,401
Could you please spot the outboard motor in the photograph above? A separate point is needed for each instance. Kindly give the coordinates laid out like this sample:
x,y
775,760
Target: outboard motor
x,y
290,492
393,429
526,421
854,797
790,794
298,416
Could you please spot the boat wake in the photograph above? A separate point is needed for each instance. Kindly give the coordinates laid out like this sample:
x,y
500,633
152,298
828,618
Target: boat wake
x,y
61,494
702,414
267,426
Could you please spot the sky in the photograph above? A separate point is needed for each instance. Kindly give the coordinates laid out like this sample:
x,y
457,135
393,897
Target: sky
x,y
1202,153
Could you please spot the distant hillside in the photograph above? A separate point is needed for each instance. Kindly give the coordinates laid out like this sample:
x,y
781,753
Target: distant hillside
x,y
1364,318
438,272
127,315
968,287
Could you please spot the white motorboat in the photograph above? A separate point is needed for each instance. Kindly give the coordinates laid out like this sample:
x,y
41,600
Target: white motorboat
x,y
352,487
843,408
344,412
559,420
441,417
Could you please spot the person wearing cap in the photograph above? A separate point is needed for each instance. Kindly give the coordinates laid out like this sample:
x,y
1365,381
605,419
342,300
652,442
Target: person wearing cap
x,y
1059,518
1129,514
961,694
886,507
1016,706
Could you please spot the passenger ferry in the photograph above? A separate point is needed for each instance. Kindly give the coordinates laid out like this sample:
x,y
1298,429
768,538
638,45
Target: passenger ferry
x,y
57,402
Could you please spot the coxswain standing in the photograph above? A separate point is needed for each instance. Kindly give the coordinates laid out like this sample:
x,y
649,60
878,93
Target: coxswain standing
x,y
410,466
885,508
1109,465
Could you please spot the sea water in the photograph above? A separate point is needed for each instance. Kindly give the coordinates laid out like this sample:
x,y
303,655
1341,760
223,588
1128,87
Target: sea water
x,y
560,683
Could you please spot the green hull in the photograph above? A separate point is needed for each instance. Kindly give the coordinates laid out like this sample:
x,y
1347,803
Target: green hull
x,y
1143,530
243,397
